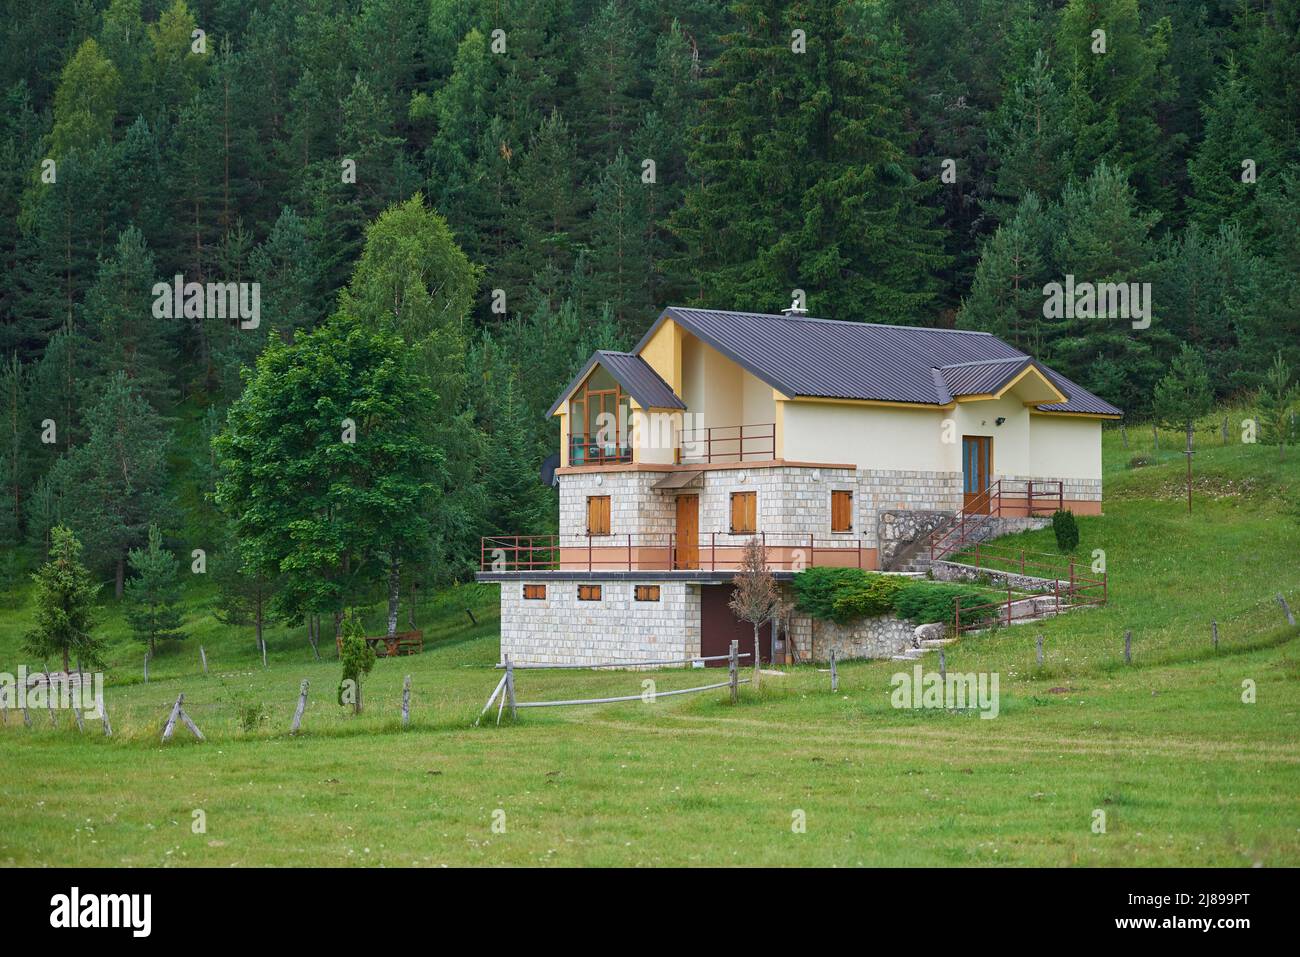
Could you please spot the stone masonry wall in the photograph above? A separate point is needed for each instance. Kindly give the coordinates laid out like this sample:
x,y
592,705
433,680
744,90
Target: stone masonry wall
x,y
559,629
880,637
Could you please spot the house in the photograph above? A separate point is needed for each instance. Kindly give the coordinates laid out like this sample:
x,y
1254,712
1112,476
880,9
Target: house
x,y
837,443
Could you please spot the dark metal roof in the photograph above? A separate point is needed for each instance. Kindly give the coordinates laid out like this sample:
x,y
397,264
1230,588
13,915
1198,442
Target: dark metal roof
x,y
631,372
826,358
978,378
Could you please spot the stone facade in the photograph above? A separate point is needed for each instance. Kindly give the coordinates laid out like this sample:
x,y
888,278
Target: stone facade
x,y
879,637
1072,489
560,629
898,529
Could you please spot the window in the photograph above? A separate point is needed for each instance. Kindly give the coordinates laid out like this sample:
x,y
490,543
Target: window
x,y
744,511
588,593
841,511
597,514
535,592
647,592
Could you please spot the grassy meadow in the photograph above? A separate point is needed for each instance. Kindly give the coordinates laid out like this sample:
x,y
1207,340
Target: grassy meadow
x,y
1186,773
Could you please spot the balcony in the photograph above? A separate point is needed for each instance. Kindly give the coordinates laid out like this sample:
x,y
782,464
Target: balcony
x,y
728,443
708,552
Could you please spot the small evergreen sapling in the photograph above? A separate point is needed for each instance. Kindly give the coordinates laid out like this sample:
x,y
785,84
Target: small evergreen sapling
x,y
1066,530
154,594
358,659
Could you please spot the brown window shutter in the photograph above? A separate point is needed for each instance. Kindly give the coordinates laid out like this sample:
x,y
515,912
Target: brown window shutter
x,y
841,511
744,511
598,515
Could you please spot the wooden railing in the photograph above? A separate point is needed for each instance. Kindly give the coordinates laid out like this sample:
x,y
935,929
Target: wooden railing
x,y
710,551
729,443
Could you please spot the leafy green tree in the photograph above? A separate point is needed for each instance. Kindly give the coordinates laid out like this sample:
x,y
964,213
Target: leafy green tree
x,y
324,467
85,105
65,607
154,594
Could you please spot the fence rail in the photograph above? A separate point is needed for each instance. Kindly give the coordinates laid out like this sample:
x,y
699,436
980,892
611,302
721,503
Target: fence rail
x,y
729,443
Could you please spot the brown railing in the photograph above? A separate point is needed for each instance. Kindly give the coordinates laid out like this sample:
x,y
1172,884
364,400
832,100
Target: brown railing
x,y
1065,594
711,551
1004,498
588,449
729,443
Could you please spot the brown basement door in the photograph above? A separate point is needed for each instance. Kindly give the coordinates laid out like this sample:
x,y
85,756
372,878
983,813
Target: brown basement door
x,y
719,627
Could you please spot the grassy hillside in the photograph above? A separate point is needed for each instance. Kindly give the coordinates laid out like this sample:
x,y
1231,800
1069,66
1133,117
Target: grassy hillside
x,y
1185,771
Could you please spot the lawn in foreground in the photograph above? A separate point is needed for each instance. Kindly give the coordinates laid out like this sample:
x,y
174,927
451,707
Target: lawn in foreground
x,y
1186,773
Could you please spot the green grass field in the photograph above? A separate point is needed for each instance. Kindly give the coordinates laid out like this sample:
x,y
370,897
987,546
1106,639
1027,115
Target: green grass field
x,y
1186,773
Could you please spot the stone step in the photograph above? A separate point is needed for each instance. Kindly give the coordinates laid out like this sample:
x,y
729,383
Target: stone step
x,y
937,642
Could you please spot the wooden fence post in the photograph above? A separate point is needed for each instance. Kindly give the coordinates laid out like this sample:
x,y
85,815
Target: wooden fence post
x,y
406,701
263,643
731,673
835,675
1040,650
510,687
1286,609
76,713
302,706
1128,647
190,724
103,719
171,719
146,667
27,718
1214,630
943,667
203,657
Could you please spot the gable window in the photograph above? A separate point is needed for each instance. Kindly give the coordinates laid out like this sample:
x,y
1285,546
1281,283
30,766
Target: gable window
x,y
744,511
535,592
599,413
588,593
841,511
597,514
647,592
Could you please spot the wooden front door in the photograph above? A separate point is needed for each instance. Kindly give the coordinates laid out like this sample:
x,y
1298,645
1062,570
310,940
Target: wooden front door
x,y
688,532
976,462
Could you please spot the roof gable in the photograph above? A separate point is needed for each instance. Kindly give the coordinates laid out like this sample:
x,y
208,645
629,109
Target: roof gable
x,y
632,373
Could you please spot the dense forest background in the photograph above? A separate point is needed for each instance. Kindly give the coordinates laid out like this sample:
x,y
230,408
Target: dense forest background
x,y
771,170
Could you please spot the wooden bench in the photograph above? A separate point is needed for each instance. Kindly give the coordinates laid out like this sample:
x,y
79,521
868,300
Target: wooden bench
x,y
402,643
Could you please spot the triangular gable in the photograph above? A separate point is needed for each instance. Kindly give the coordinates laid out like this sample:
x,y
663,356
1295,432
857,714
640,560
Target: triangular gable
x,y
633,374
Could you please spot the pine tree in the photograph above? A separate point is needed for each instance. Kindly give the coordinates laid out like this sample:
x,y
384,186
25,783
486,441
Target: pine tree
x,y
620,255
85,104
1029,139
65,607
127,337
1275,399
606,80
113,485
1223,192
16,442
154,594
805,180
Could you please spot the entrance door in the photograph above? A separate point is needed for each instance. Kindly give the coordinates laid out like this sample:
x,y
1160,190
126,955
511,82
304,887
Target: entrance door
x,y
719,627
688,532
976,458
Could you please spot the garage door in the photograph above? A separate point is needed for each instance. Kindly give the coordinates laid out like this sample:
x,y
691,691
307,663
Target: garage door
x,y
719,627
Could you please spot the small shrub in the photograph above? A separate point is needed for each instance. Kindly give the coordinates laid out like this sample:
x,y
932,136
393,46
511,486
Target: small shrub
x,y
1066,530
1138,461
874,597
926,602
815,589
251,715
357,657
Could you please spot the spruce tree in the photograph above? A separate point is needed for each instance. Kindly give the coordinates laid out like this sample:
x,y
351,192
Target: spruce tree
x,y
65,607
153,595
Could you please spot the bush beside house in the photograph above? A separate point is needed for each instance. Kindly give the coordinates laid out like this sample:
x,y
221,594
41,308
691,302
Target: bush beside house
x,y
843,595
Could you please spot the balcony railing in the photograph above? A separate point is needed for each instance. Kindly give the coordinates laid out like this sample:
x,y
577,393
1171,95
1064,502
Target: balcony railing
x,y
729,443
710,551
588,449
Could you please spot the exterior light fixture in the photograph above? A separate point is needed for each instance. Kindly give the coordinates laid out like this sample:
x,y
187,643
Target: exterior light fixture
x,y
1000,419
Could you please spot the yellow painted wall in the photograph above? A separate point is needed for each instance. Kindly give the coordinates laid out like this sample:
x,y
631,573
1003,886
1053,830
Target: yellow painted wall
x,y
663,353
1065,446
